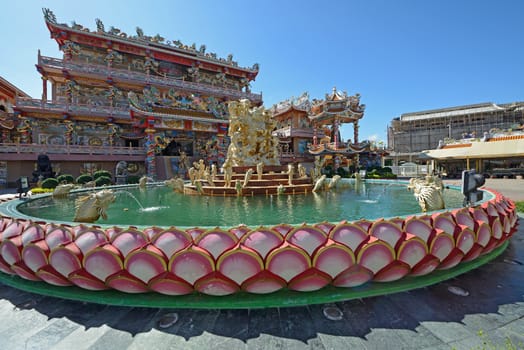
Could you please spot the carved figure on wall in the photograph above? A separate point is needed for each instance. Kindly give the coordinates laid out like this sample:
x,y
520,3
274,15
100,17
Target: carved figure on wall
x,y
301,171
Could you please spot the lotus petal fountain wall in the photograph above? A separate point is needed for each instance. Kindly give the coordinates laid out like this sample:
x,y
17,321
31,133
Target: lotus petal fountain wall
x,y
258,260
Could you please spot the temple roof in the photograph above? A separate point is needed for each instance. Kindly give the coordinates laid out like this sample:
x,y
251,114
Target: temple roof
x,y
300,103
337,106
157,46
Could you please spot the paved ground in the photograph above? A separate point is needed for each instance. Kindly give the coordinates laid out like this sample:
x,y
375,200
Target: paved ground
x,y
511,188
428,318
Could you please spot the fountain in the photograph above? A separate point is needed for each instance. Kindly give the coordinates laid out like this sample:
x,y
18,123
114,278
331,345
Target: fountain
x,y
247,261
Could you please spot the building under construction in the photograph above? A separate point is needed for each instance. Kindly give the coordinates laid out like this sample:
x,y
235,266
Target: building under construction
x,y
412,133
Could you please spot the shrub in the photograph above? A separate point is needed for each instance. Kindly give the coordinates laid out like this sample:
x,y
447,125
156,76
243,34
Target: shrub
x,y
133,179
101,173
83,179
520,206
67,178
50,183
342,172
103,180
40,190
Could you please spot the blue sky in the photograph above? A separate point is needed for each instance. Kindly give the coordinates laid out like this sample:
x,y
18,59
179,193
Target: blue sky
x,y
401,56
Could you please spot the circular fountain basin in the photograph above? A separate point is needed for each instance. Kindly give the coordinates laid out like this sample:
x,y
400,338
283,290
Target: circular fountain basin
x,y
341,245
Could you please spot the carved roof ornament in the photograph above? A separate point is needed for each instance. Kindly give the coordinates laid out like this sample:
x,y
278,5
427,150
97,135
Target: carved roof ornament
x,y
302,103
99,26
157,39
49,15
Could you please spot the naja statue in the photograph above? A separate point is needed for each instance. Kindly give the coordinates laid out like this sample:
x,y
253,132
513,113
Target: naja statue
x,y
90,207
428,192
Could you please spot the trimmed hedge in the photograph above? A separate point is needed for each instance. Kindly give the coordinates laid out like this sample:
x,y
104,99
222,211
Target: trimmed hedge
x,y
83,179
67,178
50,183
101,173
103,180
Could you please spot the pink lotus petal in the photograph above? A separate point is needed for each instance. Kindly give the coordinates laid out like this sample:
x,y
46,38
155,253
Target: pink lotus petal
x,y
352,236
171,241
392,272
307,238
474,252
35,255
427,265
89,239
263,283
146,264
465,240
129,240
419,228
51,276
483,234
354,276
239,231
13,229
58,236
325,226
126,283
309,280
169,284
151,232
83,279
10,250
216,284
195,232
66,259
386,231
375,255
463,217
333,258
364,224
240,264
283,229
216,241
262,240
21,269
452,260
191,264
442,245
32,233
445,223
103,262
5,267
287,262
412,251
496,229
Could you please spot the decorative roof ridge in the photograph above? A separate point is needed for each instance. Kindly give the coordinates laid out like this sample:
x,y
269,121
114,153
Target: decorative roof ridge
x,y
155,41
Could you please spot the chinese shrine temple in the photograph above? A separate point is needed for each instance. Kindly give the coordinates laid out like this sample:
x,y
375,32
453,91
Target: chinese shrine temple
x,y
120,97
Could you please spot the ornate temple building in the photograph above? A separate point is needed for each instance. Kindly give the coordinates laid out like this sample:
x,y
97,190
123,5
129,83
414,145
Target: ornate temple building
x,y
312,128
113,96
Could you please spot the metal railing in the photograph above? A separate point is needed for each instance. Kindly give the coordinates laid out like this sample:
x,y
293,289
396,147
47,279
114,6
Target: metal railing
x,y
134,76
70,149
121,112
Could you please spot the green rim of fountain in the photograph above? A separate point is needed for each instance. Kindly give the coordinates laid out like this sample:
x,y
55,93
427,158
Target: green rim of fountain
x,y
283,298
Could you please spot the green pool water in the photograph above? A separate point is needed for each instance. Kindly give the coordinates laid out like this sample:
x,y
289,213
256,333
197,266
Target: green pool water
x,y
160,206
